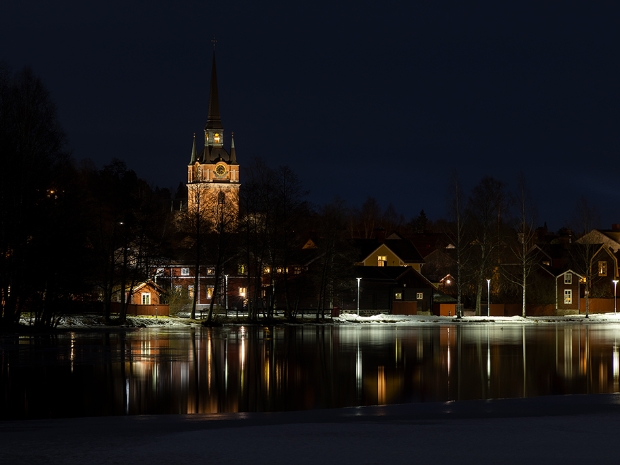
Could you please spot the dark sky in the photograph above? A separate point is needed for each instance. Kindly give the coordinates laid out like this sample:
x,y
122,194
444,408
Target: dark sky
x,y
359,98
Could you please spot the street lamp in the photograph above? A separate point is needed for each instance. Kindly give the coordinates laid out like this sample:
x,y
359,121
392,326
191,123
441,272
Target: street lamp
x,y
226,292
358,295
615,295
488,297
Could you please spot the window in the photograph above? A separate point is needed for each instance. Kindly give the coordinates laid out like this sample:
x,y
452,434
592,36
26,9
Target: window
x,y
242,291
546,262
184,271
568,278
568,296
602,268
190,291
241,268
178,288
419,295
146,298
398,296
382,260
209,292
210,270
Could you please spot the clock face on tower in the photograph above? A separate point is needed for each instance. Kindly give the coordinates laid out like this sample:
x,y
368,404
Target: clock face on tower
x,y
220,170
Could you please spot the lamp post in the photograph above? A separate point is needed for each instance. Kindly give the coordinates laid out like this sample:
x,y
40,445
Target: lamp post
x,y
358,295
615,295
488,297
226,293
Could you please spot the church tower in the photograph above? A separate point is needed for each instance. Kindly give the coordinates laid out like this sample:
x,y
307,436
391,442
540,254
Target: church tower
x,y
213,174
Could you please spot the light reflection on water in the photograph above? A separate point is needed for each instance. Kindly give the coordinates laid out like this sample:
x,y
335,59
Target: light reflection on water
x,y
157,371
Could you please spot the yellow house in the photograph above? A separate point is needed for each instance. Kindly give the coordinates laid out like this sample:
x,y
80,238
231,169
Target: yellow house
x,y
394,252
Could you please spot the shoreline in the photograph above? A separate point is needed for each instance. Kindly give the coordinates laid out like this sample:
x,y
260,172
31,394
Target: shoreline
x,y
95,322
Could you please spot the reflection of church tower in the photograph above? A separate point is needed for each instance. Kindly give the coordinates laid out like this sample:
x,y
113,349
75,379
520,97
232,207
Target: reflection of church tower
x,y
213,174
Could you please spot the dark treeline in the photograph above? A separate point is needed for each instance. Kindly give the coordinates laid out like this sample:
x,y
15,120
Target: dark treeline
x,y
71,237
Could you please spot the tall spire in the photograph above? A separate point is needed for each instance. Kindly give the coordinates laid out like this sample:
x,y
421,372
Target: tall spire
x,y
193,158
213,119
233,153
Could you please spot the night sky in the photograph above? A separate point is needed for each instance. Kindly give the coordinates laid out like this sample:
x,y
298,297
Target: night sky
x,y
359,98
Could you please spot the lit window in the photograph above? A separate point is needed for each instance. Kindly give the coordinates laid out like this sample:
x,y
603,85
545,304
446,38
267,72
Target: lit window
x,y
568,278
419,295
546,262
216,138
602,268
177,288
568,296
382,260
398,296
242,291
146,298
184,271
210,270
241,269
209,292
190,291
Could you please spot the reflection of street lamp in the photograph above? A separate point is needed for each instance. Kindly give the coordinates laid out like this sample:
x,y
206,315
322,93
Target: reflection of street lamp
x,y
615,296
358,295
488,297
226,292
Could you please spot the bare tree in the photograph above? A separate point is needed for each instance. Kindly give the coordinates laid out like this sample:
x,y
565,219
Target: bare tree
x,y
457,234
522,246
486,208
587,246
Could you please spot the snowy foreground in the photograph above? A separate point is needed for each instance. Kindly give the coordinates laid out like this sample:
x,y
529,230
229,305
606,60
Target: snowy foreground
x,y
549,430
352,319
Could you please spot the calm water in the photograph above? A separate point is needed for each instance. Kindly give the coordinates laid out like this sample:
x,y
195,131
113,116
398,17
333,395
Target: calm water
x,y
161,371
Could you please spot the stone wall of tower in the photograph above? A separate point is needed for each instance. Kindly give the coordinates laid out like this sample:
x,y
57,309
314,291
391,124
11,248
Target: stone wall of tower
x,y
215,203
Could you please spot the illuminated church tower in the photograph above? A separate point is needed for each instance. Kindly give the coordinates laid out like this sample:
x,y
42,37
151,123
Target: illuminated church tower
x,y
213,174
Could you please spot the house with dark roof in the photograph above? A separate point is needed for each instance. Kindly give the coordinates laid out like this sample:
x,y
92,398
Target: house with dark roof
x,y
393,251
392,289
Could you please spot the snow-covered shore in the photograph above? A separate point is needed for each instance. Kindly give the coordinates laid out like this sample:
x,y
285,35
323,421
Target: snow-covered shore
x,y
348,319
563,429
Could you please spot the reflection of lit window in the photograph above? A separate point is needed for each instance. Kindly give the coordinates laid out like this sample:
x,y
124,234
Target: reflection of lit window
x,y
602,268
190,291
184,271
419,295
242,291
568,278
382,260
568,296
146,298
398,296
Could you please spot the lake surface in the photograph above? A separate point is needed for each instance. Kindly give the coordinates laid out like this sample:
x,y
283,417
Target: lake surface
x,y
247,369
